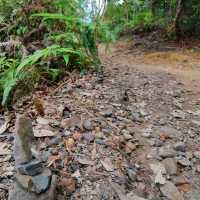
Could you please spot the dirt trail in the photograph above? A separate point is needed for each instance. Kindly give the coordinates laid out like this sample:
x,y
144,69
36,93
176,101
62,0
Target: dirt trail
x,y
184,63
130,132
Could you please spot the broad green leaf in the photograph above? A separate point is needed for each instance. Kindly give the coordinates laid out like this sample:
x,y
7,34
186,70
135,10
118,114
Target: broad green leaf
x,y
66,59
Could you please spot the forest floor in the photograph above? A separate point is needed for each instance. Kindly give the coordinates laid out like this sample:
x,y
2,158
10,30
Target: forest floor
x,y
133,134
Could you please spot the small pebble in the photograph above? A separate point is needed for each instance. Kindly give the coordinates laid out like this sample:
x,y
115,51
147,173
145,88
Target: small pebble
x,y
89,137
87,124
108,113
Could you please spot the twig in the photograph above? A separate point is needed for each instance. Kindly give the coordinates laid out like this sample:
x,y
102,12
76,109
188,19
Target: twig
x,y
60,86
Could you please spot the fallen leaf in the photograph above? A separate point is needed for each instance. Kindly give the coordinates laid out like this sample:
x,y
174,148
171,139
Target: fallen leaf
x,y
44,133
107,164
99,134
77,136
184,188
6,158
43,121
4,187
85,161
53,159
94,151
69,184
131,195
163,137
87,94
39,106
198,168
60,110
4,127
130,147
159,172
4,149
71,122
69,143
97,129
170,191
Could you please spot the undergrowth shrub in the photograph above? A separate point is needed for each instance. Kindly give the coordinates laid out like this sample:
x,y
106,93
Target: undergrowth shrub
x,y
176,18
53,36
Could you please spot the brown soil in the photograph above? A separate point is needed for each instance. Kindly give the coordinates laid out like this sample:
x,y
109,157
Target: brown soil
x,y
105,135
183,62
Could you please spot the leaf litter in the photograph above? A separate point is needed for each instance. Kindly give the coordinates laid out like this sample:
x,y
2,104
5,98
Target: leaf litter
x,y
97,144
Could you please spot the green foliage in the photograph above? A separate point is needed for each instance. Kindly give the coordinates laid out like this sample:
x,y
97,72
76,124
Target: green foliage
x,y
148,15
67,41
143,19
51,51
8,78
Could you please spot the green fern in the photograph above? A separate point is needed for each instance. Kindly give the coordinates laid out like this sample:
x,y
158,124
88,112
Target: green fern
x,y
73,43
54,50
8,78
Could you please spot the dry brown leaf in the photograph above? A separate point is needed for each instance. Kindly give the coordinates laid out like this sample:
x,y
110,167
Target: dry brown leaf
x,y
39,106
130,147
71,122
107,164
60,110
85,161
98,133
94,151
4,127
69,143
69,184
44,133
53,159
163,137
77,136
97,129
184,188
4,187
4,149
43,121
198,168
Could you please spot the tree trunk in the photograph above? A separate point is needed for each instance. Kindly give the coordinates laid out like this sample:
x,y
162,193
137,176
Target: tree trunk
x,y
177,17
153,6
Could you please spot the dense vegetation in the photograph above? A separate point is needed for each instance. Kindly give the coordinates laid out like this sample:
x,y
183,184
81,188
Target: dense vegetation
x,y
177,18
42,39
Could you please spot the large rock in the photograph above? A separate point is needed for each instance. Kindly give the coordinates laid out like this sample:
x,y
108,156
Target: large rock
x,y
19,193
37,184
166,152
168,132
31,168
23,139
87,124
170,165
132,196
32,182
180,146
159,172
170,191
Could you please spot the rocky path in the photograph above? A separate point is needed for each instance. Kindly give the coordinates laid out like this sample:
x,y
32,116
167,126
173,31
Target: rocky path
x,y
129,134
